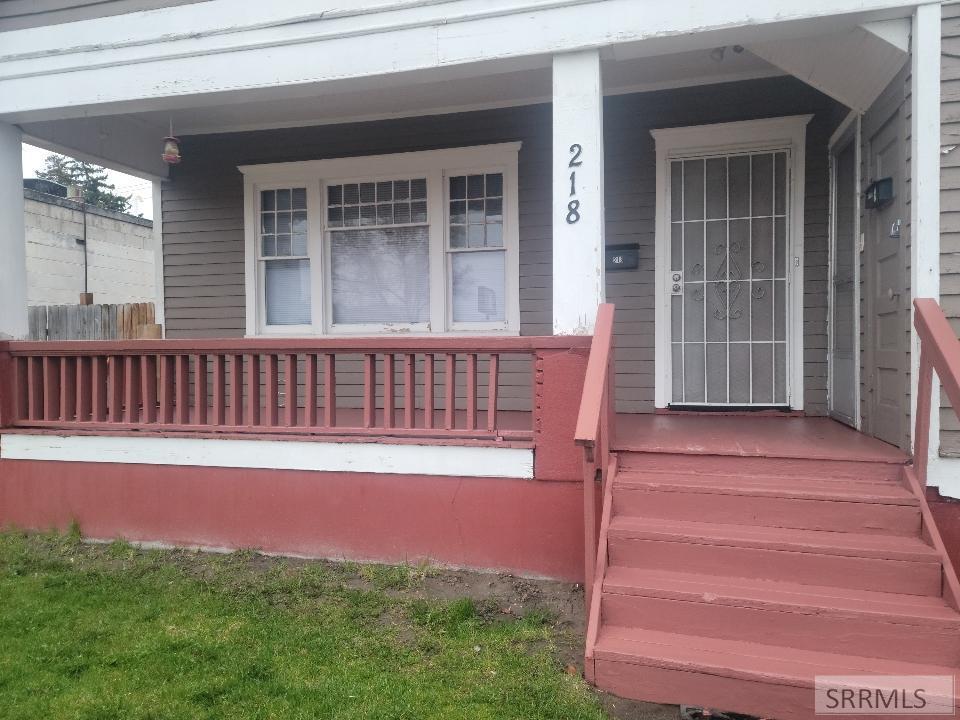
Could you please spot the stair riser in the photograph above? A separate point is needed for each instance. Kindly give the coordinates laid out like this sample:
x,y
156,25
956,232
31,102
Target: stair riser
x,y
898,576
739,466
853,634
859,517
675,687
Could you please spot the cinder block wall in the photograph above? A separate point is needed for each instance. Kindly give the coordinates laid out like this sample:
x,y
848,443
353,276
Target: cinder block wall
x,y
120,253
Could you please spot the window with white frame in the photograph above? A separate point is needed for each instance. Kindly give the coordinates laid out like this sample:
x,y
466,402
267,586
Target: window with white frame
x,y
416,242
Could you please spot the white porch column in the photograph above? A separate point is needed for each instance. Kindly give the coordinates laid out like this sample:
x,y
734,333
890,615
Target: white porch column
x,y
925,196
13,267
578,262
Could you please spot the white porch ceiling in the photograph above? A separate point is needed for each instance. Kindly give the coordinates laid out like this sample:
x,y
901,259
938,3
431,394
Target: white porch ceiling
x,y
853,66
453,94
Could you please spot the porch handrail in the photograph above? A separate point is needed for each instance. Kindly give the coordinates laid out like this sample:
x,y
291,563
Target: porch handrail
x,y
940,351
402,387
593,433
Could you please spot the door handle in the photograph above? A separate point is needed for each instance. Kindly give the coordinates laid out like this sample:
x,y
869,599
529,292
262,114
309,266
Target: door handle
x,y
891,294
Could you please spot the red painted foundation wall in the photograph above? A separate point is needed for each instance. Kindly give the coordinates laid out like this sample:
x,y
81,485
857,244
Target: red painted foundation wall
x,y
529,527
946,514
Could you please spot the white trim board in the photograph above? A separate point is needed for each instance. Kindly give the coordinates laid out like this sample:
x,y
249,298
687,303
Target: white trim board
x,y
445,460
780,133
849,131
131,58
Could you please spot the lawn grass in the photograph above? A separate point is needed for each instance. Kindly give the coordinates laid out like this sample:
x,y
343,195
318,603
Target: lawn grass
x,y
112,631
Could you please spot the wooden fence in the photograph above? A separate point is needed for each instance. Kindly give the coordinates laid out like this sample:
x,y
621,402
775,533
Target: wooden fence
x,y
89,322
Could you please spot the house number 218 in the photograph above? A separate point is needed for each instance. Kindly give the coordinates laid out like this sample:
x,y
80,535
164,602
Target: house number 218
x,y
573,207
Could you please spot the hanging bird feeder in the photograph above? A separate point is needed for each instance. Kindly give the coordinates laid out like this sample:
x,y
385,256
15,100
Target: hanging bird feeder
x,y
171,147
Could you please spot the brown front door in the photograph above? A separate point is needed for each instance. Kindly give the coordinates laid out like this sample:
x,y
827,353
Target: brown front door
x,y
886,331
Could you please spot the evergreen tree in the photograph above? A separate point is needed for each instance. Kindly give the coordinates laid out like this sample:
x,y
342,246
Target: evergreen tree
x,y
90,178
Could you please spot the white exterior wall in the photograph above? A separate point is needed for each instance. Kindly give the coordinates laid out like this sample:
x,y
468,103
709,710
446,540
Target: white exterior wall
x,y
120,256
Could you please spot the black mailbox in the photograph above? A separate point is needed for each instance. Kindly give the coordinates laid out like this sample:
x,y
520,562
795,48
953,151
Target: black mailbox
x,y
878,194
623,257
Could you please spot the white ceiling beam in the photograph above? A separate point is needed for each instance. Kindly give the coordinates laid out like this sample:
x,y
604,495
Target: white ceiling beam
x,y
170,57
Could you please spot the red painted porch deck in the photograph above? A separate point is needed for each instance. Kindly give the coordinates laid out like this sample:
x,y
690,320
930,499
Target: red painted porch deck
x,y
754,435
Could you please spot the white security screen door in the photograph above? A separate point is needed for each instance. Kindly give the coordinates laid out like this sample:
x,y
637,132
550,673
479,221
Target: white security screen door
x,y
728,270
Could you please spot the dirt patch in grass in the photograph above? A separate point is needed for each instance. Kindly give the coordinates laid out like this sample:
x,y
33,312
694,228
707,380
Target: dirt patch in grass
x,y
388,641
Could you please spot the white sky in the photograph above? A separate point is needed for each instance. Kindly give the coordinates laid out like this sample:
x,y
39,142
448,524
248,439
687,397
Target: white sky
x,y
140,189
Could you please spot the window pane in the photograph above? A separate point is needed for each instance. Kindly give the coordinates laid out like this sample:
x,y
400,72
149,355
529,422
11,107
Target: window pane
x,y
458,187
494,184
283,199
335,195
478,286
475,186
267,200
299,198
287,286
482,213
458,236
418,189
380,275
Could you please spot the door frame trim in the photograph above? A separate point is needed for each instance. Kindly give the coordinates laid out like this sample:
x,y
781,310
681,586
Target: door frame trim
x,y
779,133
849,131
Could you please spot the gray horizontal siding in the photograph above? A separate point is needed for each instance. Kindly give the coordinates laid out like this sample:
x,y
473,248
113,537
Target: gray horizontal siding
x,y
950,202
203,213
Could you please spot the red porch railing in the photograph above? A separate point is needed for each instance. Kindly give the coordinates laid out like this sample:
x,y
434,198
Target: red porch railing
x,y
394,387
940,352
595,425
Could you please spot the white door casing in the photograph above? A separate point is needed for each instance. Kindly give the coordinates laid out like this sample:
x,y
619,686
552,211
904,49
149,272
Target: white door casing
x,y
773,134
843,403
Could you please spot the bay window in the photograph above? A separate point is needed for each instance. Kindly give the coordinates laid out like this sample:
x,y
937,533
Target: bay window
x,y
421,242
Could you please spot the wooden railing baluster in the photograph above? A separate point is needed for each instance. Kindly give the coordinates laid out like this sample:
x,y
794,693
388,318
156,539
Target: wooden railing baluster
x,y
98,378
22,409
84,388
115,388
290,374
369,390
329,390
200,390
35,385
493,386
68,388
219,389
389,391
450,398
167,380
182,389
471,391
310,390
51,388
409,390
271,389
148,384
253,390
428,402
131,389
235,416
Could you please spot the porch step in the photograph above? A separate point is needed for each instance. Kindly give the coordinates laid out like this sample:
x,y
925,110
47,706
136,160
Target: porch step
x,y
787,501
764,680
823,470
873,624
886,563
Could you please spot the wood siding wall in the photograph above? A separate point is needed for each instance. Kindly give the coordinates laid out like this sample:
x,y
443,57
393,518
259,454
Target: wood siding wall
x,y
950,202
19,14
203,209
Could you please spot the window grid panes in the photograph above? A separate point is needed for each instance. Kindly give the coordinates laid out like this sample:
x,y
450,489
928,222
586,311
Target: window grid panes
x,y
379,252
284,253
385,202
477,264
729,249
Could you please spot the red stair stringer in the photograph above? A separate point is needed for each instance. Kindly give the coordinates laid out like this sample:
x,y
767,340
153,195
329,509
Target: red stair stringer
x,y
593,616
951,585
